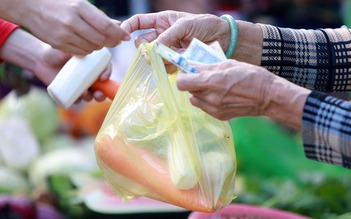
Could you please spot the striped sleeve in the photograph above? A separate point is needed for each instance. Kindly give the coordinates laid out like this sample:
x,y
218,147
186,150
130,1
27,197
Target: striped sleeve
x,y
326,129
315,59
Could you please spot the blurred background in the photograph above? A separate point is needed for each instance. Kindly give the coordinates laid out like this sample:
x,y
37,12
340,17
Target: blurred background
x,y
47,163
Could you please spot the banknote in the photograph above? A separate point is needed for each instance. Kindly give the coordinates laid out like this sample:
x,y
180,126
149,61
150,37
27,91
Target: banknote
x,y
218,49
200,52
175,58
197,52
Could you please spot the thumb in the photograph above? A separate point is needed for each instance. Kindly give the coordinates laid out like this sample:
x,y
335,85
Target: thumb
x,y
190,82
145,37
173,36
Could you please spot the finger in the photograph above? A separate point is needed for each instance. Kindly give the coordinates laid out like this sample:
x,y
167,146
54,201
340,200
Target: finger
x,y
85,46
87,96
78,101
99,96
73,50
170,68
175,36
90,34
114,39
77,45
209,97
145,38
106,73
191,82
117,22
140,22
216,111
102,23
198,102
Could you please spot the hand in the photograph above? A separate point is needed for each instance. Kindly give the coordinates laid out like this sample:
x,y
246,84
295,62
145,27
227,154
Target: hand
x,y
228,89
74,26
233,89
50,63
177,29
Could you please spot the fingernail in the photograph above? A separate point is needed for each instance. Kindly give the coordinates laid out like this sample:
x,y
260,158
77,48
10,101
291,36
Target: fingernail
x,y
141,40
126,37
104,77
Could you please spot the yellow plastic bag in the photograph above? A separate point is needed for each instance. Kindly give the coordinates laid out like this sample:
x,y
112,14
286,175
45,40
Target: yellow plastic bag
x,y
154,143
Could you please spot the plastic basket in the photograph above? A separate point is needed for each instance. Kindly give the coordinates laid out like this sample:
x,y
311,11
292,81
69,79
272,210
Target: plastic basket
x,y
242,211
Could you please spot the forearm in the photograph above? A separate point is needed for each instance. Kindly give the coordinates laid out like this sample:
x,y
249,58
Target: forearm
x,y
315,59
249,44
17,52
287,102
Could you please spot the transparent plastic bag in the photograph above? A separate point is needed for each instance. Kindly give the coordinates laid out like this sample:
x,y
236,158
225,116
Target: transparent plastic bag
x,y
154,143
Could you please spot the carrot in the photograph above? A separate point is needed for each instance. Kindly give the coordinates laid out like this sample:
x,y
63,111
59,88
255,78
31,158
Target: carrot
x,y
151,172
108,87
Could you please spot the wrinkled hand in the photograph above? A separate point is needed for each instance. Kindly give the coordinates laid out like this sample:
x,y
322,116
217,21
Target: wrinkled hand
x,y
229,89
74,26
53,60
177,29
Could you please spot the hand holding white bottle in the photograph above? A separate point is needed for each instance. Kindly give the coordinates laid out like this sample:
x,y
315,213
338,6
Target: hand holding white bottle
x,y
77,75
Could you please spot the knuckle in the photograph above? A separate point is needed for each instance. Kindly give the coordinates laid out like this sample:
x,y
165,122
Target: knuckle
x,y
57,44
105,26
100,41
77,4
112,42
68,22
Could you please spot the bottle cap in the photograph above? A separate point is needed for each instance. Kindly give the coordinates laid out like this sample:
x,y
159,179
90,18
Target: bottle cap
x,y
76,76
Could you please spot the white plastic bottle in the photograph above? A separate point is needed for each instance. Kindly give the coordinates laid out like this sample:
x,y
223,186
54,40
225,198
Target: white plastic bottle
x,y
76,76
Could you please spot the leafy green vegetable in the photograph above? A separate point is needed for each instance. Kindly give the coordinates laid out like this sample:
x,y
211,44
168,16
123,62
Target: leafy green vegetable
x,y
276,173
37,108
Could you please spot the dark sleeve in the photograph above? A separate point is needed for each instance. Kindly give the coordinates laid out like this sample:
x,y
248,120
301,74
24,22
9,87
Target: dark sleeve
x,y
315,59
326,129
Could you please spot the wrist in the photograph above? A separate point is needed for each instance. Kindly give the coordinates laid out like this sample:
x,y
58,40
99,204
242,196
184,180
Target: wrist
x,y
24,55
225,35
250,43
286,103
233,34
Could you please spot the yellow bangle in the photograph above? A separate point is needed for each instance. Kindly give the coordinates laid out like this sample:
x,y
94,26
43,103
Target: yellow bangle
x,y
234,34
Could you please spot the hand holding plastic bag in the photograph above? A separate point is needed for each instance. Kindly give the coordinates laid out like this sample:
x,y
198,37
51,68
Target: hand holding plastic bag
x,y
154,143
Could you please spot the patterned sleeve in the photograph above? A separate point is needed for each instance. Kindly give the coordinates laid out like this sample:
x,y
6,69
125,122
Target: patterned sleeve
x,y
326,129
318,60
315,59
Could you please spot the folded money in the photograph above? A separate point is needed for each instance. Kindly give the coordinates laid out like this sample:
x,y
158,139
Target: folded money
x,y
200,52
197,52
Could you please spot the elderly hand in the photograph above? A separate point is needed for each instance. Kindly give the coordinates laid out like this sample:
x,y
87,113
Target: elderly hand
x,y
73,26
233,89
177,29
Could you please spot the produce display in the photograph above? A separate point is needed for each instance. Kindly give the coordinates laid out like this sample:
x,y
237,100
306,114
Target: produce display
x,y
272,169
